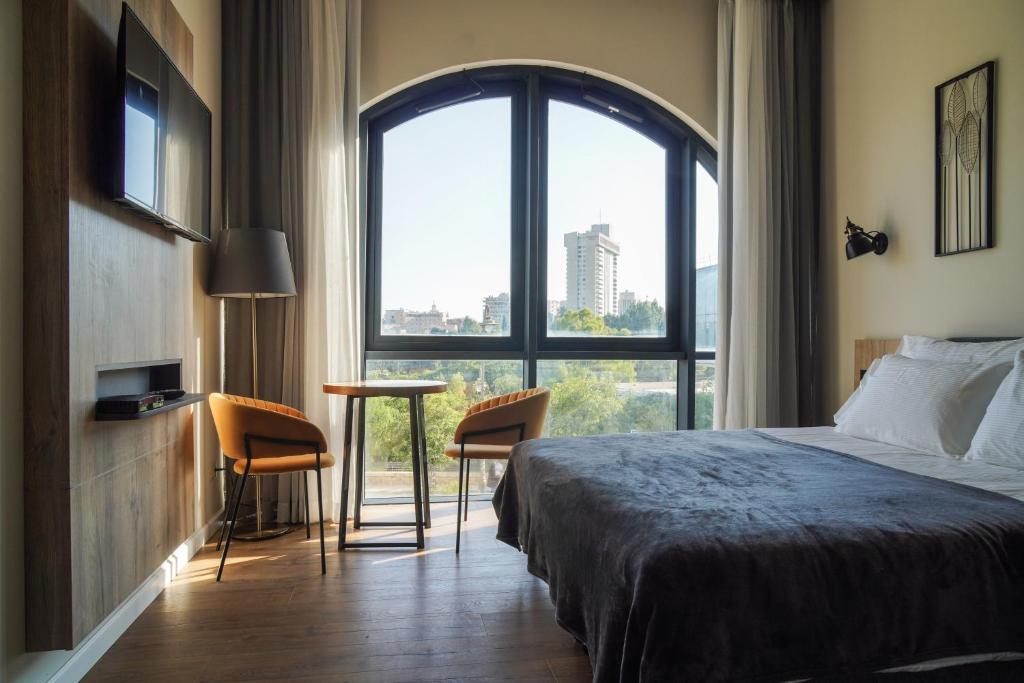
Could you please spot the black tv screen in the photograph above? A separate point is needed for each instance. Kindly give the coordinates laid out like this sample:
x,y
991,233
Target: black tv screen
x,y
165,136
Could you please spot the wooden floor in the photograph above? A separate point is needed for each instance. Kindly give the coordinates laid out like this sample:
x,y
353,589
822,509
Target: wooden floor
x,y
378,615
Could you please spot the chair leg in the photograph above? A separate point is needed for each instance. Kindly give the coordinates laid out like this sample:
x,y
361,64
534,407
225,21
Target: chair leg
x,y
227,508
458,510
305,493
234,517
320,507
465,509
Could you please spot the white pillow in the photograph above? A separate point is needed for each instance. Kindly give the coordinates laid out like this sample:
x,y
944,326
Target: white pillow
x,y
986,353
845,408
1000,436
925,405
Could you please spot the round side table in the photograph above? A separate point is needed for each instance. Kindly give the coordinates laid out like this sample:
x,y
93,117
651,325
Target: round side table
x,y
357,392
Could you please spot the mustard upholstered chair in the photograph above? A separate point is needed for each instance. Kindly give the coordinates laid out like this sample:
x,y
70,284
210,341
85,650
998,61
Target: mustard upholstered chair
x,y
268,438
489,430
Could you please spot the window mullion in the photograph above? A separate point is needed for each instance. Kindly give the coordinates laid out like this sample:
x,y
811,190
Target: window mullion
x,y
531,89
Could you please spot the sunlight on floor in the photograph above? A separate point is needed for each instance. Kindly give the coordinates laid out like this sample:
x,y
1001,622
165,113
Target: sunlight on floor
x,y
377,615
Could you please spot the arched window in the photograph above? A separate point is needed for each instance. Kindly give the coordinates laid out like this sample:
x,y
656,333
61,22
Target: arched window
x,y
535,226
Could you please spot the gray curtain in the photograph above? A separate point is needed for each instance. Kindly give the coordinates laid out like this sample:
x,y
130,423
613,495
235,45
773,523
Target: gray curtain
x,y
263,179
289,101
768,364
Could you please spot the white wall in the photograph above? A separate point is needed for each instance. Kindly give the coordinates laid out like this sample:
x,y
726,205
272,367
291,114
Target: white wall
x,y
882,60
203,19
666,47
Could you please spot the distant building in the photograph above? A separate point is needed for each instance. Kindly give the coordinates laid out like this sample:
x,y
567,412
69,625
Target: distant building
x,y
592,270
706,309
394,319
626,299
401,321
497,314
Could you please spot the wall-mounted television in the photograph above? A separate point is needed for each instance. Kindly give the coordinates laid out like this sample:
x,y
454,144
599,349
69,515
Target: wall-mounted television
x,y
164,136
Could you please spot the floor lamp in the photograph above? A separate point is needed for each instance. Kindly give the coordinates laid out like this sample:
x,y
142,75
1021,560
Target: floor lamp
x,y
253,263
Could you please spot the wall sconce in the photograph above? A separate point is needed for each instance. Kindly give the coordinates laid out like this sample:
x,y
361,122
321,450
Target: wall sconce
x,y
859,241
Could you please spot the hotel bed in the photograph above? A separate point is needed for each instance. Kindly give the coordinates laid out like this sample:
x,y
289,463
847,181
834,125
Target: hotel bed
x,y
773,554
696,556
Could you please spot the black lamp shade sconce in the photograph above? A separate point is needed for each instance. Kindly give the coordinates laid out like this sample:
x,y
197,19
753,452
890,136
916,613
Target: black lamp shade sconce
x,y
859,241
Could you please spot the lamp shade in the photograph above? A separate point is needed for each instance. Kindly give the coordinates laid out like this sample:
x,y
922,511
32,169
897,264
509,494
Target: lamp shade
x,y
251,262
858,244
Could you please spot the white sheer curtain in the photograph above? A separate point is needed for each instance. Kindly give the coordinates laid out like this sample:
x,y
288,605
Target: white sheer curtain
x,y
768,84
331,261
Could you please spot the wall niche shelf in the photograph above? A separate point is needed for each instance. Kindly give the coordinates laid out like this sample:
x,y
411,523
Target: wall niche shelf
x,y
120,379
185,400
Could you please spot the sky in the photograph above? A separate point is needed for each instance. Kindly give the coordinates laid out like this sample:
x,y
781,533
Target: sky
x,y
446,204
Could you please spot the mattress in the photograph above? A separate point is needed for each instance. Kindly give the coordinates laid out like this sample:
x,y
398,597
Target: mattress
x,y
724,544
982,475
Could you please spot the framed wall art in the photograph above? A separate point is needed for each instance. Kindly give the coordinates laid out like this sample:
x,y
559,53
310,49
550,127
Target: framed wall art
x,y
963,162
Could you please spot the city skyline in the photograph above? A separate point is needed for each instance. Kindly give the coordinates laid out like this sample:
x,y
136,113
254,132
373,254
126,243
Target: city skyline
x,y
447,196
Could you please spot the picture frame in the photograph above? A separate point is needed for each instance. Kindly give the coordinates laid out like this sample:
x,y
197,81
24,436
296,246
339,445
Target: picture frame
x,y
964,148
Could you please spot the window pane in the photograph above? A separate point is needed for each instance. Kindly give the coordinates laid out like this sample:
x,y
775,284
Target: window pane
x,y
388,452
606,227
704,394
446,226
609,396
707,259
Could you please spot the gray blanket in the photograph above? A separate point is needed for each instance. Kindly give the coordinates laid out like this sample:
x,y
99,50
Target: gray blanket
x,y
732,556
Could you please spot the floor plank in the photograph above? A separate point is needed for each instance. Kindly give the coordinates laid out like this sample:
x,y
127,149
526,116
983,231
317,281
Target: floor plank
x,y
377,616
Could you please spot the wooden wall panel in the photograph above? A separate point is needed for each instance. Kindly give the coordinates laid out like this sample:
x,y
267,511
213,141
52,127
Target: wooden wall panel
x,y
106,503
116,543
47,516
865,351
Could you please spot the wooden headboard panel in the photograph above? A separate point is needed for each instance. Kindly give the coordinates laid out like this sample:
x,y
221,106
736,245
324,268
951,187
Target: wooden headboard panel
x,y
865,351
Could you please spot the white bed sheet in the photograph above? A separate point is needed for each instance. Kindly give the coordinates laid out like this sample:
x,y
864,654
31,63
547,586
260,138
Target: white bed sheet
x,y
1005,480
982,475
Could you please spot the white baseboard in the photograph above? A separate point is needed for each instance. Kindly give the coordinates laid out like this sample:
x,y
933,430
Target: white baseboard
x,y
117,622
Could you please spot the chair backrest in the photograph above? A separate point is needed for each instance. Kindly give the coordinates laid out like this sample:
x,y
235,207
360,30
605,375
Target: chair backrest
x,y
236,416
529,407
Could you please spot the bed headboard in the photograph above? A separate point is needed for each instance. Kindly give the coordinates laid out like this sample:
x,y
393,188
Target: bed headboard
x,y
865,351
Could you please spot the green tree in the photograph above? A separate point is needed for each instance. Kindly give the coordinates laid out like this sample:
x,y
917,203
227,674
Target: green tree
x,y
640,317
469,326
655,371
648,413
387,423
583,321
506,384
583,403
703,410
579,320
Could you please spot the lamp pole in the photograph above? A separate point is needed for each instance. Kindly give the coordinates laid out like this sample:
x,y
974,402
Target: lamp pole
x,y
253,263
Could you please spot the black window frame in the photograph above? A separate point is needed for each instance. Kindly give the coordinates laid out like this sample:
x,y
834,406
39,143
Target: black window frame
x,y
531,87
576,94
373,128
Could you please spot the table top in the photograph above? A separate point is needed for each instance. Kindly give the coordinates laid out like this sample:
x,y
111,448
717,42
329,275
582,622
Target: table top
x,y
385,387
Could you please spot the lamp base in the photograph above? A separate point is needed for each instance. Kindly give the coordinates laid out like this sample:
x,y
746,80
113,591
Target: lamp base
x,y
263,533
